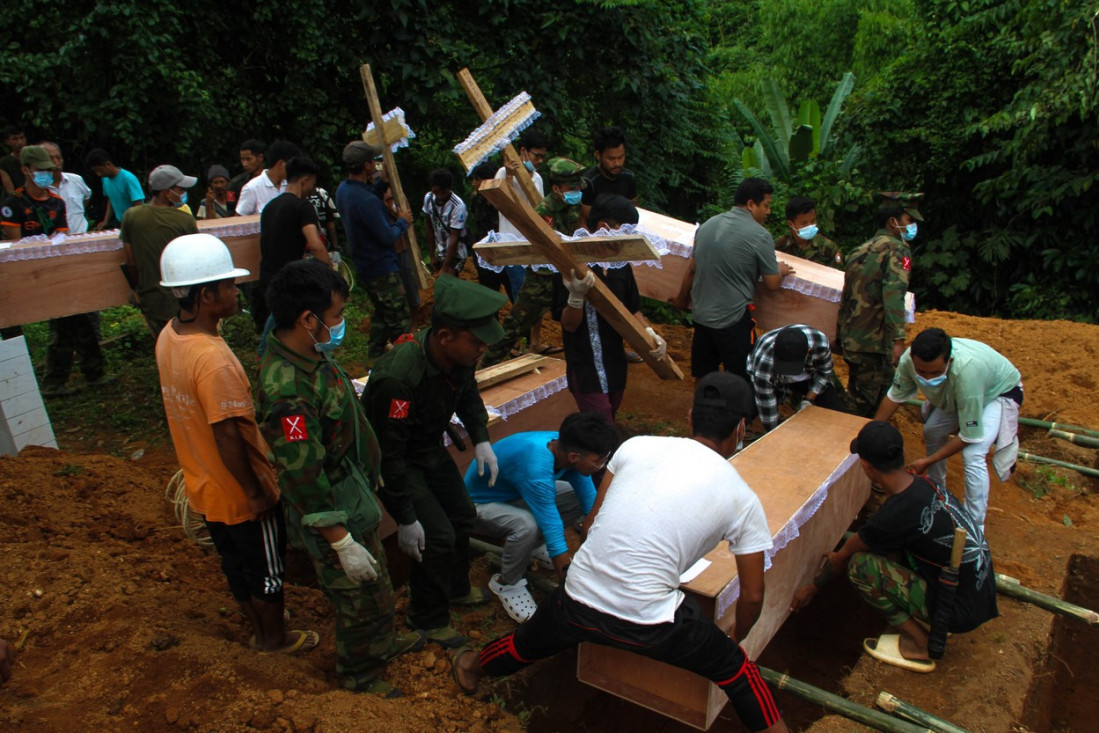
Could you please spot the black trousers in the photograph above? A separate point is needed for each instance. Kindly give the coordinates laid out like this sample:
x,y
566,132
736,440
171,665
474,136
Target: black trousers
x,y
712,348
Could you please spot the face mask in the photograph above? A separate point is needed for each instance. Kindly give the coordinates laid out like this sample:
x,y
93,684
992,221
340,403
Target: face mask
x,y
933,382
808,232
529,166
572,198
909,232
335,336
42,179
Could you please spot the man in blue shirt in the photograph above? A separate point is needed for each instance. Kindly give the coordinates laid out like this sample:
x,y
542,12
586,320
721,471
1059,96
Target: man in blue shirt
x,y
544,482
121,187
371,238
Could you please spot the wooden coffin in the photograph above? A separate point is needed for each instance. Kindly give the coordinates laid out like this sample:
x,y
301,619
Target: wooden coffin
x,y
809,505
39,281
810,296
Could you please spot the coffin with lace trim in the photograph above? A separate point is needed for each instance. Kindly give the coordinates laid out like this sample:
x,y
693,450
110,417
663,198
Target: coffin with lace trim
x,y
811,488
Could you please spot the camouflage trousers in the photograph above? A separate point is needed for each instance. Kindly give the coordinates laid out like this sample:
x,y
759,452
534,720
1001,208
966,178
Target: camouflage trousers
x,y
868,380
895,591
364,616
533,301
390,318
68,335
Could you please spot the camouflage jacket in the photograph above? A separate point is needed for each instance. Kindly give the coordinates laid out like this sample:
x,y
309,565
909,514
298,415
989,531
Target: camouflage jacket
x,y
871,315
559,215
307,410
410,401
819,249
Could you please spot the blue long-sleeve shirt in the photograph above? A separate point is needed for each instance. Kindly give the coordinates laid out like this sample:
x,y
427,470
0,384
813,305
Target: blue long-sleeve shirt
x,y
370,234
526,472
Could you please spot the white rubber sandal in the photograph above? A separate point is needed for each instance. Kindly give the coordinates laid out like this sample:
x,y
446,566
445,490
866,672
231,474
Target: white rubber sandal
x,y
516,599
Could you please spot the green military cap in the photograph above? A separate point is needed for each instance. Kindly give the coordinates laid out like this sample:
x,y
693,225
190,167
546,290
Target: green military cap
x,y
470,305
565,171
35,156
898,199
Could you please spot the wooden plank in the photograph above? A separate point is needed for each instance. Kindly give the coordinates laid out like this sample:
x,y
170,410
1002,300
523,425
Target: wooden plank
x,y
392,131
484,111
549,244
52,287
785,488
422,276
506,370
590,250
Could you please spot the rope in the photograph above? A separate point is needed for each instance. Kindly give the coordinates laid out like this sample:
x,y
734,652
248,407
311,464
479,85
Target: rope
x,y
190,520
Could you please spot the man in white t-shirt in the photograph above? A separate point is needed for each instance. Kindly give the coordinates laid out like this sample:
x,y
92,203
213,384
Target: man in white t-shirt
x,y
264,188
663,503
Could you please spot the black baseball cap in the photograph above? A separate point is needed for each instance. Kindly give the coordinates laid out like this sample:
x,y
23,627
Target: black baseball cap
x,y
791,348
880,444
724,390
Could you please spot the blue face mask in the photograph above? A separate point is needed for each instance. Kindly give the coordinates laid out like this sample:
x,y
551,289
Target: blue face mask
x,y
335,336
42,179
909,232
808,232
933,382
529,166
572,198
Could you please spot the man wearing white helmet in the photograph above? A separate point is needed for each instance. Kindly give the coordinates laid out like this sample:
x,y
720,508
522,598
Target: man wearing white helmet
x,y
208,401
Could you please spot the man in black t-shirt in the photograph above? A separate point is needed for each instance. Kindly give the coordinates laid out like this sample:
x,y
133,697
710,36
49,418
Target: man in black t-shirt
x,y
288,230
916,524
609,174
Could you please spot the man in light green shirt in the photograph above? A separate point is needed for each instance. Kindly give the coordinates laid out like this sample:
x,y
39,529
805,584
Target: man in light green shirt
x,y
973,397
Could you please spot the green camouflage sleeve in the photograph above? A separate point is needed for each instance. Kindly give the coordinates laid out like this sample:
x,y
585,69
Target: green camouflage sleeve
x,y
894,287
290,420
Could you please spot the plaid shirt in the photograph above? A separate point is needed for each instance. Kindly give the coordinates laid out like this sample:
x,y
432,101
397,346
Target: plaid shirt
x,y
770,388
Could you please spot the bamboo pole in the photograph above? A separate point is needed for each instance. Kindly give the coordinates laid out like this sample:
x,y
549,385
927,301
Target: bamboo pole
x,y
1031,422
1084,440
1010,586
422,276
900,708
1024,456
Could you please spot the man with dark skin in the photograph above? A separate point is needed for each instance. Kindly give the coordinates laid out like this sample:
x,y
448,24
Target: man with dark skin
x,y
609,175
11,173
252,161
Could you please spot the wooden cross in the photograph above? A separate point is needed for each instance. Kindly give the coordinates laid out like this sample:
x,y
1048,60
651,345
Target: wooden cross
x,y
423,277
610,248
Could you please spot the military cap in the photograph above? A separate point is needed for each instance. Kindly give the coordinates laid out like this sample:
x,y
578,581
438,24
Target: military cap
x,y
565,171
471,306
35,156
899,199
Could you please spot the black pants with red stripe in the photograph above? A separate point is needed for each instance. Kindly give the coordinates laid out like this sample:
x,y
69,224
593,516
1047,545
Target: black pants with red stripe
x,y
690,642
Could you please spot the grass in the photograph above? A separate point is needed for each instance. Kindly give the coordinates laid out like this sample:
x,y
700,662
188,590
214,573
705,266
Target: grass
x,y
1047,479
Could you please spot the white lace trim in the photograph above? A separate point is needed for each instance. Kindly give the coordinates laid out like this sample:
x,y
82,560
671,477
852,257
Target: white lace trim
x,y
399,114
789,532
488,129
812,289
517,405
657,242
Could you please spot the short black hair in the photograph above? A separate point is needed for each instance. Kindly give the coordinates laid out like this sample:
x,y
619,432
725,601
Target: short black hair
x,y
298,166
303,285
752,189
930,344
97,157
484,171
799,205
608,137
714,423
533,139
9,130
442,178
588,432
614,208
280,150
255,147
885,214
187,302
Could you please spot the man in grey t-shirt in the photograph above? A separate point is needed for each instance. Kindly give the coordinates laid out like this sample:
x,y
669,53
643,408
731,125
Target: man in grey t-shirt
x,y
731,251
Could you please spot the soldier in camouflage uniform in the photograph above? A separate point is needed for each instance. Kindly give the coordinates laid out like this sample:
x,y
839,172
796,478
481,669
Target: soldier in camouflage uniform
x,y
329,459
870,328
804,238
411,394
536,295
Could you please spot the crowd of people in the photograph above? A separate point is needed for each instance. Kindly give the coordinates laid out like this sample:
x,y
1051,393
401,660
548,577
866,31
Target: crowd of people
x,y
311,461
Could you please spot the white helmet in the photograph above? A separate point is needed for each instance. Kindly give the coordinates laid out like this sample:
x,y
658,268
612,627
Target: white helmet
x,y
196,258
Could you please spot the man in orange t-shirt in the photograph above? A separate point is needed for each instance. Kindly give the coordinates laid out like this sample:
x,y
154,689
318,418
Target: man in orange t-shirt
x,y
228,475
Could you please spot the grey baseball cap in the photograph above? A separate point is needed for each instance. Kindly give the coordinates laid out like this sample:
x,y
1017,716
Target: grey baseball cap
x,y
164,177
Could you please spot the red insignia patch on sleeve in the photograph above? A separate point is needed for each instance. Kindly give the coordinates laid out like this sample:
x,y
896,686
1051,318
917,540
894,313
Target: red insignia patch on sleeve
x,y
549,220
906,264
293,428
398,409
404,337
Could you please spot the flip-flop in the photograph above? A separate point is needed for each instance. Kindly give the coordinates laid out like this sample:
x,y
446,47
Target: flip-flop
x,y
306,641
454,659
887,648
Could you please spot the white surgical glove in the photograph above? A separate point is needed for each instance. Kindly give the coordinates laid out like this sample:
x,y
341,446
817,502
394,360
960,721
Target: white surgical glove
x,y
411,539
578,287
804,404
661,349
357,562
486,457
